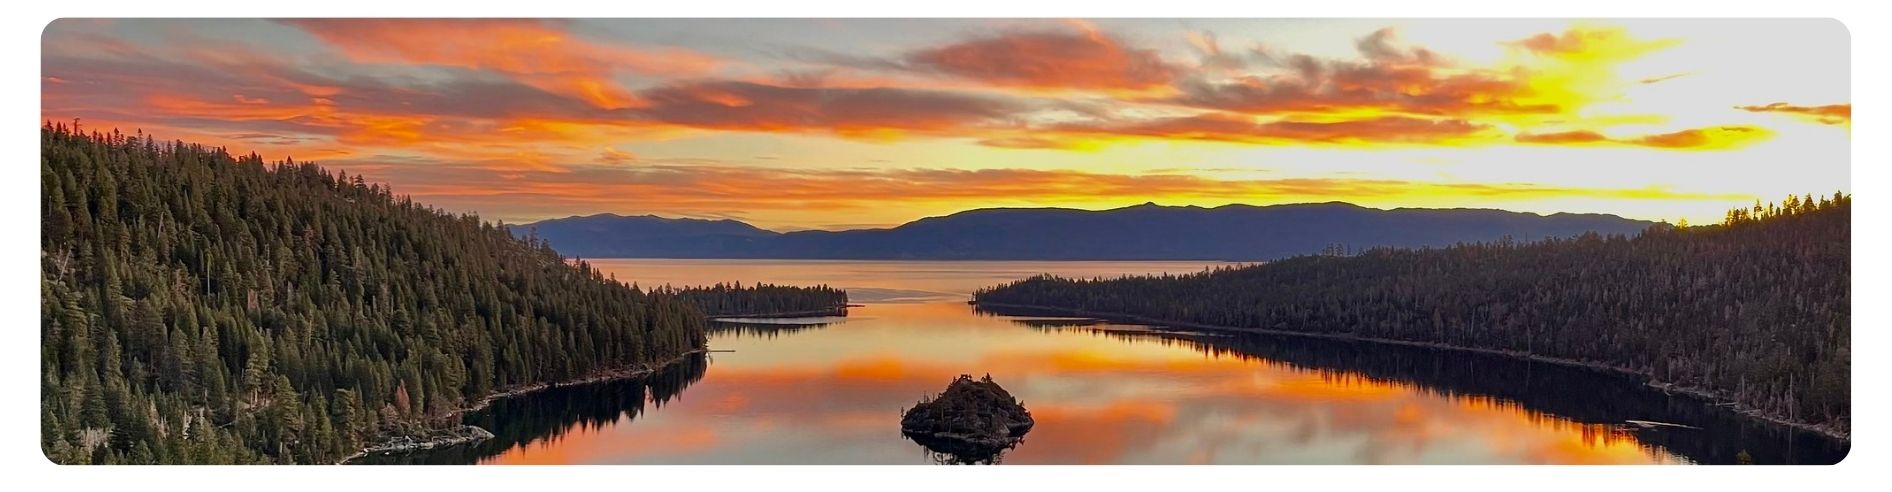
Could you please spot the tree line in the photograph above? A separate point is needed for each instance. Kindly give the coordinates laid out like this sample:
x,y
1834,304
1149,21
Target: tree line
x,y
1756,309
199,307
765,299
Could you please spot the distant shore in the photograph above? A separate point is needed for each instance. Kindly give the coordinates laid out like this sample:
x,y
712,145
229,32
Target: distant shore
x,y
1695,392
468,434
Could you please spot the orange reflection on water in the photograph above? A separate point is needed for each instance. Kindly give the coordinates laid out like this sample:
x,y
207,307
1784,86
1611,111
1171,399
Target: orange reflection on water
x,y
834,395
587,446
875,369
1092,435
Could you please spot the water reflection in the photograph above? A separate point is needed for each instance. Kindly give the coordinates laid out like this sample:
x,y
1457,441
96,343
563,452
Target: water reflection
x,y
1591,404
1100,392
944,452
761,330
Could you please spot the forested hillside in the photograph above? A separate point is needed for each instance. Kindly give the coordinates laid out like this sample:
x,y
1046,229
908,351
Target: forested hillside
x,y
203,308
1757,309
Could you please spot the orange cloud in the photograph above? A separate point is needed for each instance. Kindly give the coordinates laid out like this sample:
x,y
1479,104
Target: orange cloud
x,y
1089,59
1391,79
1213,57
872,112
1704,138
557,104
615,156
1233,128
1556,77
199,89
1569,137
1713,138
1592,44
1831,114
1383,46
538,53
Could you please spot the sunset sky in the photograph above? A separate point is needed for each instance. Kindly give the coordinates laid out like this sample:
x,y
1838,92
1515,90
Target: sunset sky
x,y
795,124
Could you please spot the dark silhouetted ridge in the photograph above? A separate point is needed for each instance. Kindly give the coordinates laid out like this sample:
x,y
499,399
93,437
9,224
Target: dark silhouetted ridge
x,y
1141,232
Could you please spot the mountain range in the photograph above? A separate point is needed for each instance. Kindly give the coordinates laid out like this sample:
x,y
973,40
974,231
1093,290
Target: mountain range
x,y
1141,232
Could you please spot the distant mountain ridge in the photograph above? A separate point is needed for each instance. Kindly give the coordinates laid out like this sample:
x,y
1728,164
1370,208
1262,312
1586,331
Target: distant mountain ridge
x,y
1141,232
640,236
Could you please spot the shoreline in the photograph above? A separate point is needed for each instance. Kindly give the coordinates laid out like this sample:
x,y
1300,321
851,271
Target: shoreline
x,y
1697,393
472,434
386,443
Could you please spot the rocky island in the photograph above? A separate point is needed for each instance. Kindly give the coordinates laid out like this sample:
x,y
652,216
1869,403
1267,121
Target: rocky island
x,y
973,421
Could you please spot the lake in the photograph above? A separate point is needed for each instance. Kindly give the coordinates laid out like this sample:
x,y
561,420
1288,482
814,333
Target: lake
x,y
831,390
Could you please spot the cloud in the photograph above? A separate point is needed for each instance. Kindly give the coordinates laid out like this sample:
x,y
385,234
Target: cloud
x,y
1213,57
1606,44
1382,46
1660,79
1720,137
1551,79
204,92
532,90
1712,138
1087,59
203,86
207,92
853,112
1390,79
536,52
1221,127
614,156
1568,137
1831,114
1038,142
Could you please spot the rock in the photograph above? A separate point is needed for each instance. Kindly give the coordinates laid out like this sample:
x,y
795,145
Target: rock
x,y
973,421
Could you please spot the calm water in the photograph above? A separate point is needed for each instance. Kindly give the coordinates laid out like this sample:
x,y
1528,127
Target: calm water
x,y
832,391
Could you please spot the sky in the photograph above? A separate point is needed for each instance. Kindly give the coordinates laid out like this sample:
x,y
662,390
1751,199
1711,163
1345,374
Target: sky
x,y
850,123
